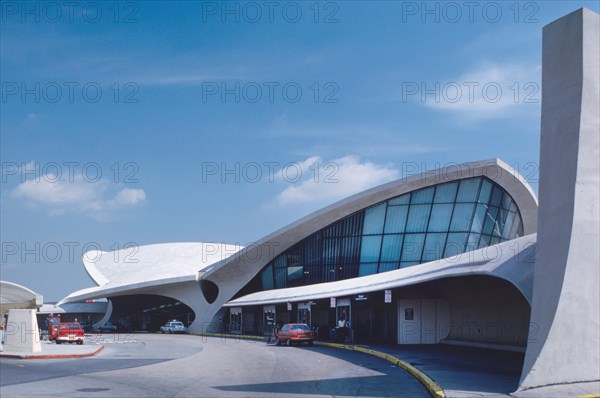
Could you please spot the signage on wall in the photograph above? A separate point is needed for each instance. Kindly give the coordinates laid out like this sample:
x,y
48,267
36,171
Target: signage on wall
x,y
332,303
311,303
361,297
409,314
289,306
388,296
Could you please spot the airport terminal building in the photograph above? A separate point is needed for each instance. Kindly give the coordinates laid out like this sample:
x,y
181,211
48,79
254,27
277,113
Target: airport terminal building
x,y
444,256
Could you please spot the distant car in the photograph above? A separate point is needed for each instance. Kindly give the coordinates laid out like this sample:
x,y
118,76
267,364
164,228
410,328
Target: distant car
x,y
296,333
173,327
69,332
107,327
86,326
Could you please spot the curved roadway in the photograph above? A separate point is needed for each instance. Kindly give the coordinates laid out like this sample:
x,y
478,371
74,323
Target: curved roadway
x,y
148,365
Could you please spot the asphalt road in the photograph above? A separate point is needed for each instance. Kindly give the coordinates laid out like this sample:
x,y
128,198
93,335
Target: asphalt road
x,y
152,365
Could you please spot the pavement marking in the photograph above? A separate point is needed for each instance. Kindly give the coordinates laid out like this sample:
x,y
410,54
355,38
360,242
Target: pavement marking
x,y
432,387
590,396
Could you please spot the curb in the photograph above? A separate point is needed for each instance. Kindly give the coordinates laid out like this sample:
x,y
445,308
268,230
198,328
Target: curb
x,y
53,356
434,388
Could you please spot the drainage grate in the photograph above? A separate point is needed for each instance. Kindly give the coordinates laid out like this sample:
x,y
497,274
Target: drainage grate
x,y
93,389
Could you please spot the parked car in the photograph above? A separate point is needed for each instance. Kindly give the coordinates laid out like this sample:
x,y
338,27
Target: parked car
x,y
107,327
86,326
173,327
69,332
296,333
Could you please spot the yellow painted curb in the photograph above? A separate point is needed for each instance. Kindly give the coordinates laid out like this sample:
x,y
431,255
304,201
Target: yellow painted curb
x,y
590,396
434,388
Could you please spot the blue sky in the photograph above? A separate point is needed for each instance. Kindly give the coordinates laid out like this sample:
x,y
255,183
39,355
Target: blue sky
x,y
132,123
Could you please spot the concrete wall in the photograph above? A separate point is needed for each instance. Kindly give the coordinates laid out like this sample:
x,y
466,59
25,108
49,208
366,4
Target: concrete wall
x,y
566,298
483,311
22,333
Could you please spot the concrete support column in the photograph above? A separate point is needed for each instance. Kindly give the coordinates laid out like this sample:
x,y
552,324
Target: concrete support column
x,y
22,332
564,344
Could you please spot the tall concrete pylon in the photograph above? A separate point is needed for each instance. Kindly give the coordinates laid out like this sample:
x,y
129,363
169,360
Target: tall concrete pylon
x,y
564,341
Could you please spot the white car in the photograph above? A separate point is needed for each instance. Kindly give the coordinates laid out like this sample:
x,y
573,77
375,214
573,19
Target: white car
x,y
173,327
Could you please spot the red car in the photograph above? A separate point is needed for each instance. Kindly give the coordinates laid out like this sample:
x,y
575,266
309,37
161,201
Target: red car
x,y
69,332
296,333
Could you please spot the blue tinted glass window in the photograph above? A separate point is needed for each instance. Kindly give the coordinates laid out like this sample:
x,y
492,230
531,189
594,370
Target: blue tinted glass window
x,y
455,244
479,218
510,218
400,200
405,264
496,197
369,251
516,229
440,218
446,193
461,219
418,216
468,190
295,275
384,267
486,190
413,247
422,196
390,250
374,217
367,269
396,219
502,215
266,277
473,242
484,241
434,247
506,201
490,220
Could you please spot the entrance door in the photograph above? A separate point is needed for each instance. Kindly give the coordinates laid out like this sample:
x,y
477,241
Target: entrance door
x,y
422,321
409,322
235,320
304,314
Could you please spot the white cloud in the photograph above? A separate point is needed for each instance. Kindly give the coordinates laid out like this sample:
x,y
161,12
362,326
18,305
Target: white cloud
x,y
60,195
332,180
491,91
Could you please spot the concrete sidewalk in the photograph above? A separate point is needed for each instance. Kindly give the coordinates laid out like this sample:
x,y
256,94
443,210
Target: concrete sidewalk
x,y
475,372
56,351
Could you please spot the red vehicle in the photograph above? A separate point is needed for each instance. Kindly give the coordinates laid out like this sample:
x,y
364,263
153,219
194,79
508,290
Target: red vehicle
x,y
69,332
52,323
296,333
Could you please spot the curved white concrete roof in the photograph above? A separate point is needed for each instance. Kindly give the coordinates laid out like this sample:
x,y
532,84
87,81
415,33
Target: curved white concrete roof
x,y
15,296
512,261
249,261
145,266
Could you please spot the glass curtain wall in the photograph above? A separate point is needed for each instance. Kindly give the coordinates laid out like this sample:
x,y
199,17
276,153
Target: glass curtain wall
x,y
421,226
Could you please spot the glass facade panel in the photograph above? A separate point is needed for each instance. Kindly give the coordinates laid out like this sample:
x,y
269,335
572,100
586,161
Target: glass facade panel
x,y
374,217
479,218
396,219
440,218
434,247
392,245
446,193
496,196
486,191
413,247
400,200
422,196
424,225
461,219
369,251
418,216
455,244
384,267
367,269
468,190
